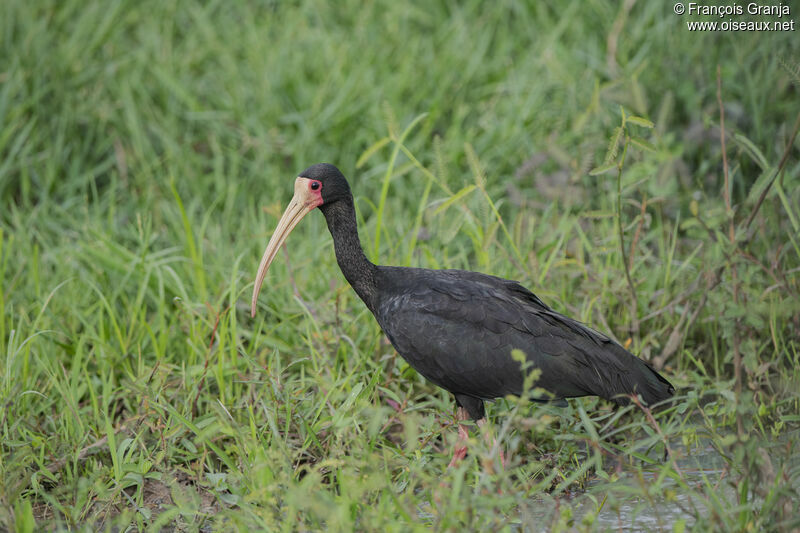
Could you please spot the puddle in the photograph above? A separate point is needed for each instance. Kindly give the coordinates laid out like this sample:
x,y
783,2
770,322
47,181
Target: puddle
x,y
698,466
701,466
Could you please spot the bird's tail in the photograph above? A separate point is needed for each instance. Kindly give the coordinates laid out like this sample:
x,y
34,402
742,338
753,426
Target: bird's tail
x,y
643,380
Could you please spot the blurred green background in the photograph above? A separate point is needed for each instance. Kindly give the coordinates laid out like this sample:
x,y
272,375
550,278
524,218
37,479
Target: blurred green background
x,y
147,149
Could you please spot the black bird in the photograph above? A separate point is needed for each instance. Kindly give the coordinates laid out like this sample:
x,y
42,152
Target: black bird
x,y
458,328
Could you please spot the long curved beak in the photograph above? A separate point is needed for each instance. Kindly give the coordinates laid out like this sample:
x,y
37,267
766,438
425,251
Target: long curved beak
x,y
303,202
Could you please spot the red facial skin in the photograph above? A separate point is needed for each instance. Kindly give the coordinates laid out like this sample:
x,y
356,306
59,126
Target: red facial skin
x,y
316,194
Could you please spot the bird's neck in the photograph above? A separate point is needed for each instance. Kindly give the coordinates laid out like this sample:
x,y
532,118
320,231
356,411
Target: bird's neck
x,y
357,269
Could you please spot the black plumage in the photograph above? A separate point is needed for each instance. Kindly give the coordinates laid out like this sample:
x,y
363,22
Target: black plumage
x,y
458,328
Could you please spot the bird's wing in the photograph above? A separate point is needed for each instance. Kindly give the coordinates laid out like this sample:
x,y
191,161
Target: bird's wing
x,y
459,332
619,371
458,329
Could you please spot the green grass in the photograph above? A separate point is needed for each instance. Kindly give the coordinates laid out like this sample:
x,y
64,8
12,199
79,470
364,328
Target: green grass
x,y
148,148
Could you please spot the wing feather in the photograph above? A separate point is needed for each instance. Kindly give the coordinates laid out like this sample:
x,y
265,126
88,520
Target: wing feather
x,y
458,329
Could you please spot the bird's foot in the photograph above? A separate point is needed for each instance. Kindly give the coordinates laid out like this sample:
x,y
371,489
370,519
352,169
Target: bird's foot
x,y
460,451
459,454
495,446
489,461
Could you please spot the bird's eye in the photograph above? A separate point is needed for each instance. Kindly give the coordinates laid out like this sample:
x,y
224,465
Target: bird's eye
x,y
315,185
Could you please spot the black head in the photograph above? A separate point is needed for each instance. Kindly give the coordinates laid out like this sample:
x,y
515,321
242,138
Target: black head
x,y
334,184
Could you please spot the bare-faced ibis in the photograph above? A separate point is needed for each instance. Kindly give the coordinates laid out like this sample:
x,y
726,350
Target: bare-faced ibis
x,y
459,328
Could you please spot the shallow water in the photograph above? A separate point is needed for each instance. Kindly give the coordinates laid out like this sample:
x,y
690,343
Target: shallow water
x,y
698,466
628,510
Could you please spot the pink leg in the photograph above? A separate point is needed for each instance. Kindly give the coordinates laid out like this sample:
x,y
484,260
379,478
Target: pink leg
x,y
460,450
481,423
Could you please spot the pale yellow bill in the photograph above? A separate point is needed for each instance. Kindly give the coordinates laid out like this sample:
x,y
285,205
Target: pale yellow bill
x,y
302,203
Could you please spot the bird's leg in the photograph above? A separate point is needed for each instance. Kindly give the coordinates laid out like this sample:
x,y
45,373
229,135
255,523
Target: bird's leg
x,y
460,451
487,433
